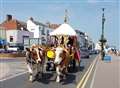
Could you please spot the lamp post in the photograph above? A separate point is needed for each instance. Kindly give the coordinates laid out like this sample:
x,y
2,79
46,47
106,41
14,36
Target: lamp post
x,y
103,40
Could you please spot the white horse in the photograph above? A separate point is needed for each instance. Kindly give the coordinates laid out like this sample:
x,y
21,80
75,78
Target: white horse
x,y
61,62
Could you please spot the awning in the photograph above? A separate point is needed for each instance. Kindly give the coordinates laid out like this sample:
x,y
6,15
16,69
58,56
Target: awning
x,y
64,29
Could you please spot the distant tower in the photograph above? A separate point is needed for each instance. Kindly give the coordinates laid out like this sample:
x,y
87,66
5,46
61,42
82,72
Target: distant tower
x,y
66,16
103,40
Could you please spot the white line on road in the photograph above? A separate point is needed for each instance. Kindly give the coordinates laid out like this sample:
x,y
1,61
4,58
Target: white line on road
x,y
13,76
90,71
84,79
94,74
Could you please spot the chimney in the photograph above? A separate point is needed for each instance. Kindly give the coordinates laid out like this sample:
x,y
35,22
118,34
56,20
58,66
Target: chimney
x,y
9,17
31,19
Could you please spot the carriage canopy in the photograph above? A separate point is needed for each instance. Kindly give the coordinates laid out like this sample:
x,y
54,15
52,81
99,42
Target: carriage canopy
x,y
64,29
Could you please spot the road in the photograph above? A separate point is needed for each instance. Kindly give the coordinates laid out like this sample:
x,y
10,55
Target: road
x,y
48,80
11,66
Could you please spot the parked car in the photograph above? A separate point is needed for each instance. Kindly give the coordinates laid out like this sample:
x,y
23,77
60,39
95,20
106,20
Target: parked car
x,y
84,53
2,50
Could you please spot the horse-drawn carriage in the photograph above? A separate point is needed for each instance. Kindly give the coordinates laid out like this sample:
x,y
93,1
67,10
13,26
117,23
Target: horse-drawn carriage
x,y
59,57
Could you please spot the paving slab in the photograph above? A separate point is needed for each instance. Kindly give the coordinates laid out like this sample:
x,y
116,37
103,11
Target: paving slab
x,y
107,74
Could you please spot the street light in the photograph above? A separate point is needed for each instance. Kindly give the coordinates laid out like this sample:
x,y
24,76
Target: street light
x,y
103,40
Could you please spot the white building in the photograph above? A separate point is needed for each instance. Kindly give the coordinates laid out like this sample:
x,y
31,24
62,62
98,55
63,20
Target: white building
x,y
89,42
98,46
40,30
81,38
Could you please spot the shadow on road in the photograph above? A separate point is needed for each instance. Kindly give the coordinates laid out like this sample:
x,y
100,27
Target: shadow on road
x,y
76,69
46,78
70,78
81,68
49,77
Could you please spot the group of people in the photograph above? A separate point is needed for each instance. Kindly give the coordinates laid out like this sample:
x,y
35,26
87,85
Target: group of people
x,y
113,52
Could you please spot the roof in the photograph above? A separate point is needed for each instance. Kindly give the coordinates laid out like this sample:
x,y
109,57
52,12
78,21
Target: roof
x,y
54,26
38,23
64,29
80,32
13,25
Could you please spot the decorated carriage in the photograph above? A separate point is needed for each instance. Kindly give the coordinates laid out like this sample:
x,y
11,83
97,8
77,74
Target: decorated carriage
x,y
61,54
66,52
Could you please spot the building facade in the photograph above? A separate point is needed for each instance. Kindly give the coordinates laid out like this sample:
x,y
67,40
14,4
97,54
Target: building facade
x,y
15,31
81,38
2,37
39,30
84,40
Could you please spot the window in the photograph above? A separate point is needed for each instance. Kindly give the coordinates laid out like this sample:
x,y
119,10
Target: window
x,y
39,27
43,39
11,38
43,31
47,32
32,29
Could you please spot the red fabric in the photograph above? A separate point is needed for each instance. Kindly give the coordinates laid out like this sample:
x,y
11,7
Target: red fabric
x,y
77,55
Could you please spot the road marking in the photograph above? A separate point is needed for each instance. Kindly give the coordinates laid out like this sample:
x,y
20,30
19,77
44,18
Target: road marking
x,y
94,74
13,76
88,75
84,79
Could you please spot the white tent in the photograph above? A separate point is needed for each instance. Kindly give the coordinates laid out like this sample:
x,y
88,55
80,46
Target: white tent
x,y
64,29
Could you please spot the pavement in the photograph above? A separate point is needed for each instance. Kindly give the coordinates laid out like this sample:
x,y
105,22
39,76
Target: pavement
x,y
107,74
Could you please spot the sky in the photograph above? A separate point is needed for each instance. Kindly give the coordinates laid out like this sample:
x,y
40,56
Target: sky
x,y
84,15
